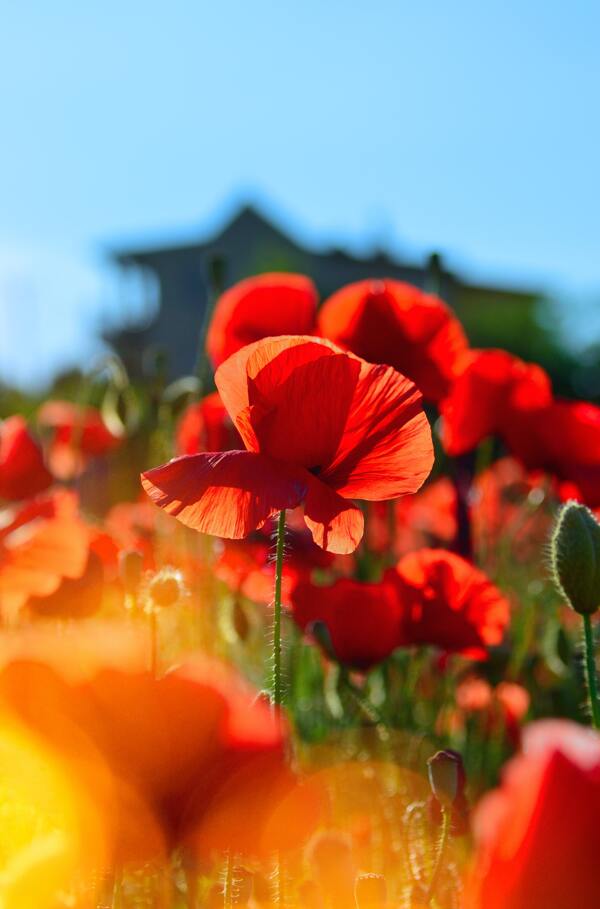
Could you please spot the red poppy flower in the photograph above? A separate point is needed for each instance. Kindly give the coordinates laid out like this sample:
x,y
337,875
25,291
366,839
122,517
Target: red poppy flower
x,y
22,469
397,324
362,620
206,426
492,392
320,427
79,433
449,603
537,835
261,307
43,544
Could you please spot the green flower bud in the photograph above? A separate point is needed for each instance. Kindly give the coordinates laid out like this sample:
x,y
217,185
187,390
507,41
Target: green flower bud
x,y
575,557
446,775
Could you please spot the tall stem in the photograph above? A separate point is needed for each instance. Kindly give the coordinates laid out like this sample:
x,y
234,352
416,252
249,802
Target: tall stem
x,y
590,670
276,680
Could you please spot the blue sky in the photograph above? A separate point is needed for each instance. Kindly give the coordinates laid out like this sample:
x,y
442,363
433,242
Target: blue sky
x,y
467,127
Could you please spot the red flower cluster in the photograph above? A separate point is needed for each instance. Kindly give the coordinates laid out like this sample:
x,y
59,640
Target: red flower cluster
x,y
382,321
498,394
320,427
432,597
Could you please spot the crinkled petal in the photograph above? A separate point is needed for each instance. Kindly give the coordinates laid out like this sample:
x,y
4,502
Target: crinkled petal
x,y
227,494
248,381
335,523
386,450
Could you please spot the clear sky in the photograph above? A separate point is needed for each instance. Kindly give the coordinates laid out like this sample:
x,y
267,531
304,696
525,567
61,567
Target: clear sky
x,y
467,126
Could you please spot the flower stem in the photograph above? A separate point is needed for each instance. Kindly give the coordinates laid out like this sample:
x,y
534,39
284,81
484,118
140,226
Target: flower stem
x,y
590,670
439,857
276,680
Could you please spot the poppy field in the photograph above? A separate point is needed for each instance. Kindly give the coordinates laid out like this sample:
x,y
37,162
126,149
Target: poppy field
x,y
313,627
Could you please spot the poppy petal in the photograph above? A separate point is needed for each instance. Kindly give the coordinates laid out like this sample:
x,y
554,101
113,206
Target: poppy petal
x,y
260,307
300,404
335,523
395,323
251,376
227,493
386,450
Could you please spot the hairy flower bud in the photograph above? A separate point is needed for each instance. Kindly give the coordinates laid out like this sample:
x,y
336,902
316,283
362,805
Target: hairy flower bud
x,y
446,775
131,565
575,557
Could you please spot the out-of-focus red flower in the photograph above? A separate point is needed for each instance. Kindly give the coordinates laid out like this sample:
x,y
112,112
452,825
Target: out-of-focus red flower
x,y
493,391
173,744
473,694
397,324
537,835
248,566
449,603
427,518
42,545
206,426
261,307
79,433
362,620
563,440
23,472
320,426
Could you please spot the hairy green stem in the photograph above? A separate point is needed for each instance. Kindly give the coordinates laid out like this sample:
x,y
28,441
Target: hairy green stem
x,y
276,679
590,670
439,857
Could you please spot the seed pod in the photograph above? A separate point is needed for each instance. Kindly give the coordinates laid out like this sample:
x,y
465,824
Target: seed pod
x,y
575,557
165,588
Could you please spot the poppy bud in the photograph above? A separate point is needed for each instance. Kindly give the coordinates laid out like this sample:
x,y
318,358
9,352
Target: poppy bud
x,y
130,569
575,557
370,891
446,775
320,632
165,588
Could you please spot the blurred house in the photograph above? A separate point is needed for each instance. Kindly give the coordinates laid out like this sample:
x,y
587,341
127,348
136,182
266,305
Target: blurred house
x,y
184,277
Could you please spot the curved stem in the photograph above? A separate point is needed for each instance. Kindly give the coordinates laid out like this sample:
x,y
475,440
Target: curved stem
x,y
439,858
276,680
590,670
